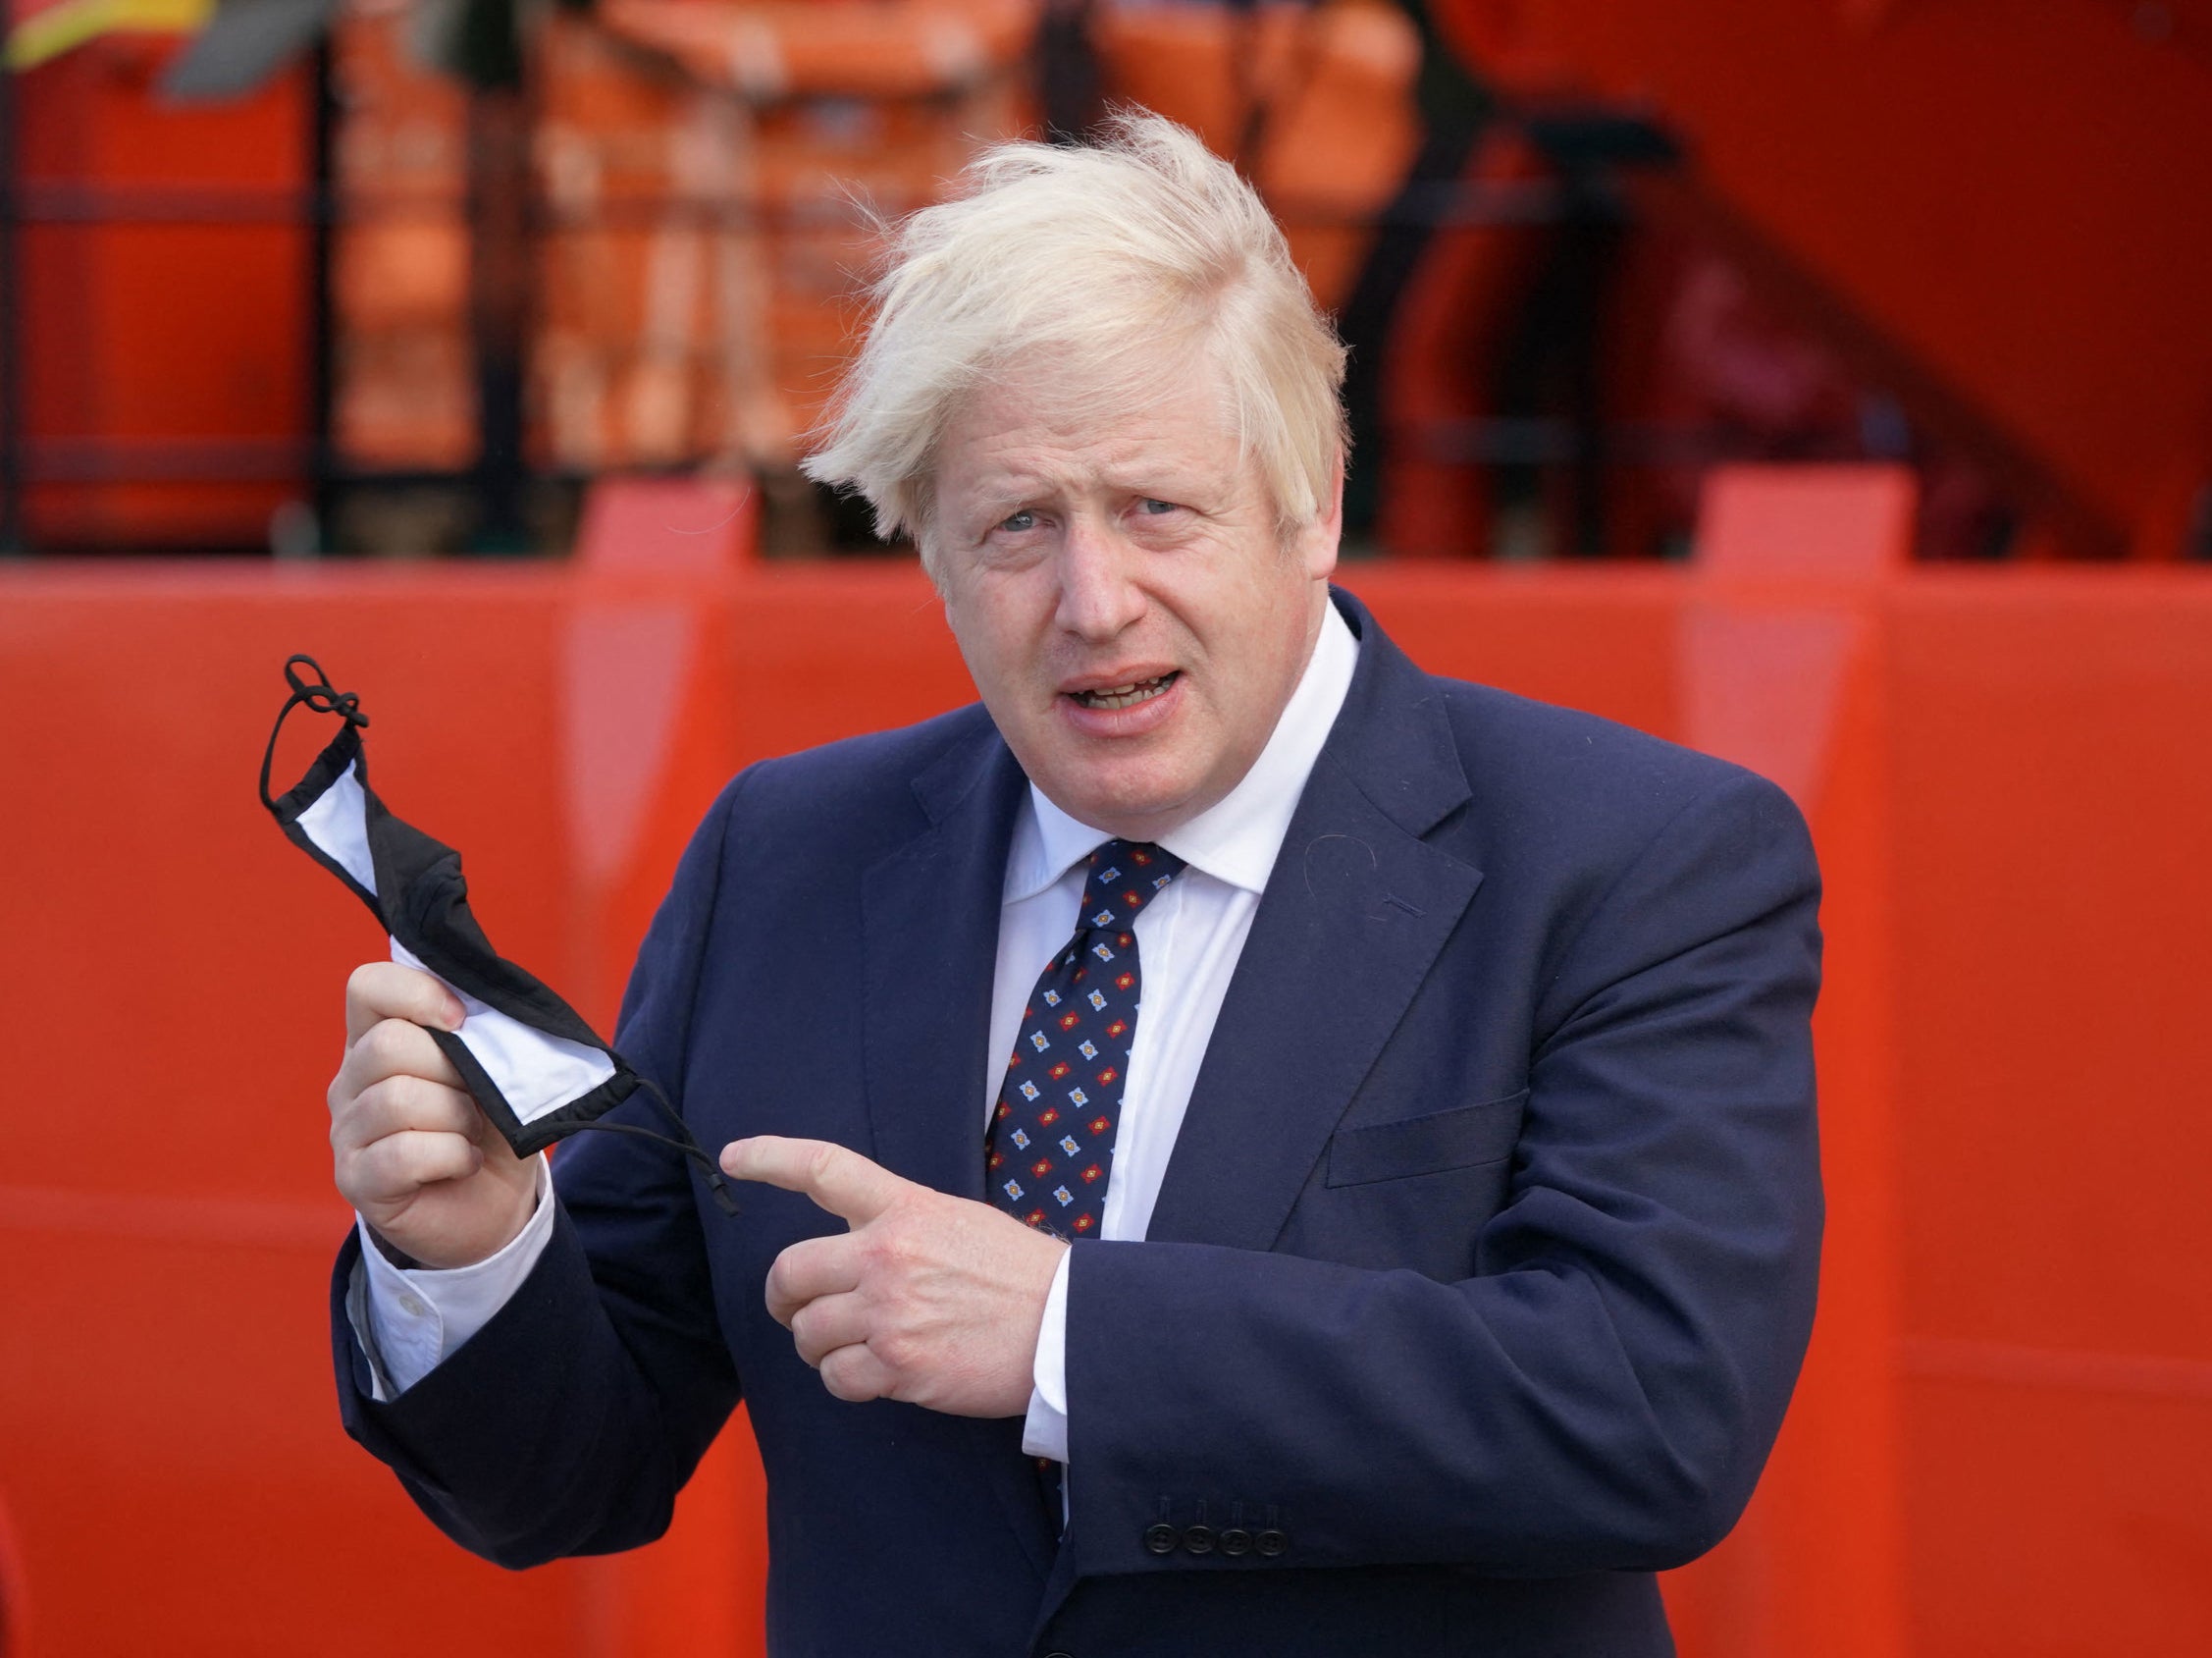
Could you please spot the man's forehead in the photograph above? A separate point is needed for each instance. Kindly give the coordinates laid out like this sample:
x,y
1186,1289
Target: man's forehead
x,y
1031,429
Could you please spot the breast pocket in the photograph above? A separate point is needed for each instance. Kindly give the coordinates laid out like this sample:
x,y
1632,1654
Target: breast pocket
x,y
1463,1137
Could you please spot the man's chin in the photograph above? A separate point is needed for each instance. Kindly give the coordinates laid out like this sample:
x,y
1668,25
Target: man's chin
x,y
1138,807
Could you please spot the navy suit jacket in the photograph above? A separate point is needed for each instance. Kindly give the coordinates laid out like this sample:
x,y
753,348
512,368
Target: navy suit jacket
x,y
1476,1288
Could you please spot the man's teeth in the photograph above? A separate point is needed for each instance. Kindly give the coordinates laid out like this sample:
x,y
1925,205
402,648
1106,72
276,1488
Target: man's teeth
x,y
1125,696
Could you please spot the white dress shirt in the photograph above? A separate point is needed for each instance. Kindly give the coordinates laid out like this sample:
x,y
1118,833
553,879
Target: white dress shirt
x,y
1188,938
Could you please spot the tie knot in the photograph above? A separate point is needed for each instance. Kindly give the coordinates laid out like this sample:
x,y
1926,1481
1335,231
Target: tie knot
x,y
1125,876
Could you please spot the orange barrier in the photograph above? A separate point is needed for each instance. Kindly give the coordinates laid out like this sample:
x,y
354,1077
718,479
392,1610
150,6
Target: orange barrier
x,y
12,1611
2004,1429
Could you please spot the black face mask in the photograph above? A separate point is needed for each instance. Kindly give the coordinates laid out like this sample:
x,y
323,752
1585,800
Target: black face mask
x,y
536,1070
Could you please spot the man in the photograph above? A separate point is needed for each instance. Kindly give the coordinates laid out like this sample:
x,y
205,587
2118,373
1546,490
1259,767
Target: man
x,y
1397,1216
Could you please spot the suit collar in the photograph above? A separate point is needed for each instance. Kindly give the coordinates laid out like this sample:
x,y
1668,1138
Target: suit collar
x,y
1393,739
975,772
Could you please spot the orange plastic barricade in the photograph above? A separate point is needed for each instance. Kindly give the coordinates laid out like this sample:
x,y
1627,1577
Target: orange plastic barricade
x,y
13,1615
163,1193
1779,664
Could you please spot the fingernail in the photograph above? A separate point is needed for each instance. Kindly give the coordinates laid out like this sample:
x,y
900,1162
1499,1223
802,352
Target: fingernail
x,y
455,1014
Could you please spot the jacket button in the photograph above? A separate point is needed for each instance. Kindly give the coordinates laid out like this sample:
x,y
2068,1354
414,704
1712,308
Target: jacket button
x,y
1198,1540
1057,1655
1236,1540
1159,1540
1271,1542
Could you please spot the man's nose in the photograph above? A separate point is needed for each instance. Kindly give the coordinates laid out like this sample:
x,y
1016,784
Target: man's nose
x,y
1099,593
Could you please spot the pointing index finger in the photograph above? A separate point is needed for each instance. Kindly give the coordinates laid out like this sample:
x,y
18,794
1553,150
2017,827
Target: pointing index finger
x,y
837,1178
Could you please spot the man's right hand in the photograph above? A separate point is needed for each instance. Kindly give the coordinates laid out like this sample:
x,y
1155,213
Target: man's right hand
x,y
411,1152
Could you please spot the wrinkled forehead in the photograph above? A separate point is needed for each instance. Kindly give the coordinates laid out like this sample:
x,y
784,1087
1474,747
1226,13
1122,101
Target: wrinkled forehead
x,y
1059,411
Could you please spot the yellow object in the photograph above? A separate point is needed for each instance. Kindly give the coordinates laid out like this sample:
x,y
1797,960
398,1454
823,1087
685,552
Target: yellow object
x,y
68,26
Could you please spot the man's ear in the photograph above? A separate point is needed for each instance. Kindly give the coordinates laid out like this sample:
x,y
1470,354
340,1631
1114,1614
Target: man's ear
x,y
1317,541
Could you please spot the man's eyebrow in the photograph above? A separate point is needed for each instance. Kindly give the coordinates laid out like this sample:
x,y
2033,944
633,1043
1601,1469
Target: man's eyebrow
x,y
998,501
1174,481
1002,482
1165,472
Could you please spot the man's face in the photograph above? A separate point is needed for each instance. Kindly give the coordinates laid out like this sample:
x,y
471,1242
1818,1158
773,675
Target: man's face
x,y
1133,616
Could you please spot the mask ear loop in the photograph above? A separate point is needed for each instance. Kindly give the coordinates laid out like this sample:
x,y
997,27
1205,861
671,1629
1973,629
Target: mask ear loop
x,y
688,1145
320,697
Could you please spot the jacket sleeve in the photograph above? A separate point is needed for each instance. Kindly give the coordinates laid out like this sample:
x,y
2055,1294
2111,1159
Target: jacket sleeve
x,y
1602,1393
570,1422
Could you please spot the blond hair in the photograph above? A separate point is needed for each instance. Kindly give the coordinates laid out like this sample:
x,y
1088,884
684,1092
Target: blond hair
x,y
1081,252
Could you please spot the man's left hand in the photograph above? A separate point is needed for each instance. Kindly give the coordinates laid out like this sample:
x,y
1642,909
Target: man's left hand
x,y
928,1298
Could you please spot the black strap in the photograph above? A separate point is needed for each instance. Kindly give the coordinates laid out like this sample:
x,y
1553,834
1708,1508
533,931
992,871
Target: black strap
x,y
320,697
688,1145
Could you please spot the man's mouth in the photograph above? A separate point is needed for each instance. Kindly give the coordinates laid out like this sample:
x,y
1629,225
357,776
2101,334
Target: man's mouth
x,y
1126,696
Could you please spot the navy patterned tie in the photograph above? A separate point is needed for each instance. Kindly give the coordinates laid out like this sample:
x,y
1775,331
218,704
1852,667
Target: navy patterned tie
x,y
1050,1150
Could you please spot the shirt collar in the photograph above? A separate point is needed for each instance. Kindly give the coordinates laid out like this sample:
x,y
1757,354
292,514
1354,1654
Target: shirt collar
x,y
1236,839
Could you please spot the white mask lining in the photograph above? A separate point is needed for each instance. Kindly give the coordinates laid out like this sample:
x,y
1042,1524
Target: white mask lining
x,y
536,1073
338,822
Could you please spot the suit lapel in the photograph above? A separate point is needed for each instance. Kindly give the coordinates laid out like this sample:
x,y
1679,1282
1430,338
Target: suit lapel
x,y
929,919
930,915
1355,913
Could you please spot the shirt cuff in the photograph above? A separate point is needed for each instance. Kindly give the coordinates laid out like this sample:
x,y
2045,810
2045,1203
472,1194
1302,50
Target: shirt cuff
x,y
1044,1432
407,1319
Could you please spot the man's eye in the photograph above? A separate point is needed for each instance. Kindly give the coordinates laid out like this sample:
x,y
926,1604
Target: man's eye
x,y
1020,523
1153,506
